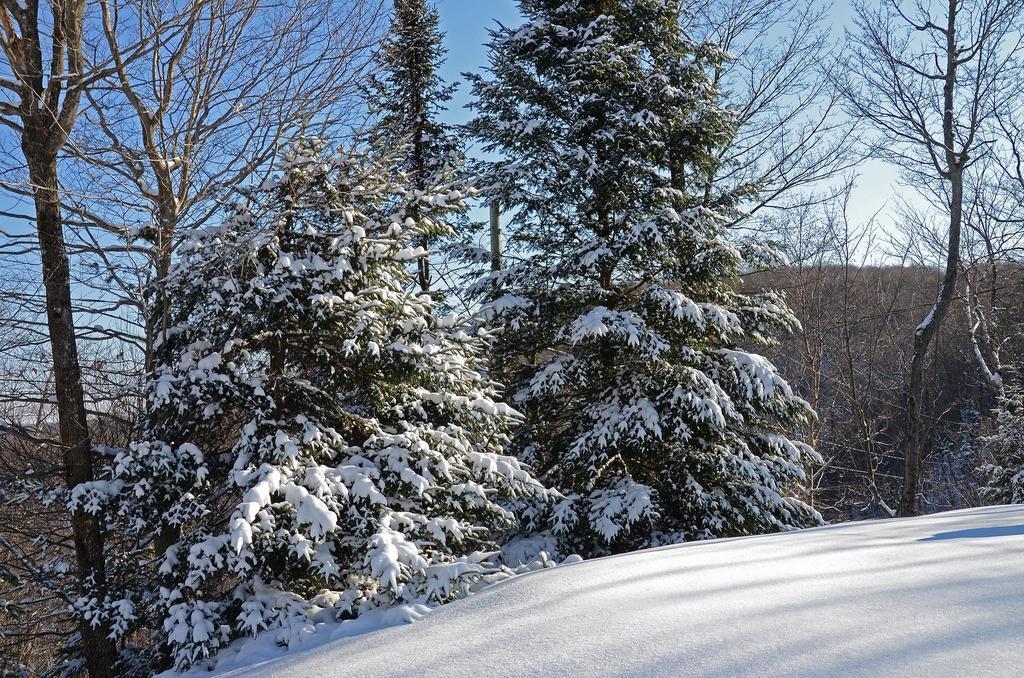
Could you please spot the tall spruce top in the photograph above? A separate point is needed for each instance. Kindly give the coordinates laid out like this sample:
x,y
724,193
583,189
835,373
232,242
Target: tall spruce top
x,y
408,93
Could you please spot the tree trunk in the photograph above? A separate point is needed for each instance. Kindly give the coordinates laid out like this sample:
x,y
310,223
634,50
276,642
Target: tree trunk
x,y
159,318
914,435
100,652
495,227
914,438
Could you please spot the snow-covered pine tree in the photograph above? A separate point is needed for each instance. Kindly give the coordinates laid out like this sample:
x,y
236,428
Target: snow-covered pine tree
x,y
1005,471
408,94
624,324
319,442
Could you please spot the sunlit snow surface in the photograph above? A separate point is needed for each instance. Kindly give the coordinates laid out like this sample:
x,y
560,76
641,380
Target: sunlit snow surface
x,y
941,595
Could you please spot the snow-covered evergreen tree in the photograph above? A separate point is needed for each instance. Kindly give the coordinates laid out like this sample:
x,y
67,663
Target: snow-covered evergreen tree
x,y
625,330
319,443
408,94
1005,471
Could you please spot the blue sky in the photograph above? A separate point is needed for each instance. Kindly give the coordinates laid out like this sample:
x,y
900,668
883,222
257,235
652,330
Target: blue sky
x,y
466,22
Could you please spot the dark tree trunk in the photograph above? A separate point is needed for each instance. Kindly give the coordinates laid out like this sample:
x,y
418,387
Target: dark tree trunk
x,y
158,318
100,652
914,436
49,96
914,433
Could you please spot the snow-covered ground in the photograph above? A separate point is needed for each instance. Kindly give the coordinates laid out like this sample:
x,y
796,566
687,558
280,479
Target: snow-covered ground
x,y
941,595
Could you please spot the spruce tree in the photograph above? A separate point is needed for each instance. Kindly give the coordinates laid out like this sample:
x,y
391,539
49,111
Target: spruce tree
x,y
625,329
408,94
319,442
1005,446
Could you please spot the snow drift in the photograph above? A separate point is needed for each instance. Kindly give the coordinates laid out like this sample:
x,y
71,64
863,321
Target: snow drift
x,y
940,595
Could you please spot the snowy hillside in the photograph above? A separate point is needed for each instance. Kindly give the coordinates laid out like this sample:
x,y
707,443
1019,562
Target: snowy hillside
x,y
940,595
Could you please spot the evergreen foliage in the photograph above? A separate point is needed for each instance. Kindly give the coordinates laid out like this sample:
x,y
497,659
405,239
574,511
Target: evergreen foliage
x,y
408,95
624,324
319,442
1006,446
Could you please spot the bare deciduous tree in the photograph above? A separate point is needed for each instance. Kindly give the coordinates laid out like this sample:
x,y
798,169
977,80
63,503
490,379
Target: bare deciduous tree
x,y
45,72
930,80
203,110
150,111
790,136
